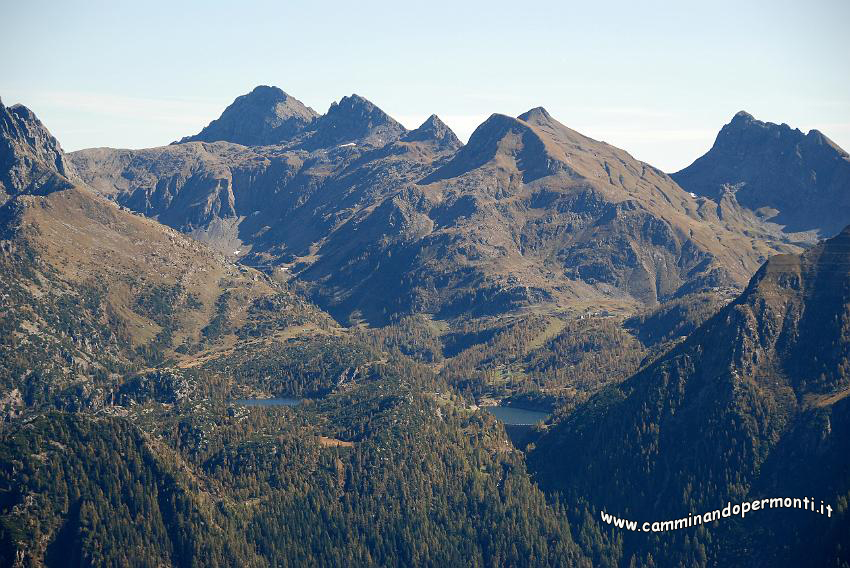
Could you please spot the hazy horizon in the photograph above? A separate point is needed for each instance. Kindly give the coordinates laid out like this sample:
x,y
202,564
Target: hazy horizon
x,y
607,71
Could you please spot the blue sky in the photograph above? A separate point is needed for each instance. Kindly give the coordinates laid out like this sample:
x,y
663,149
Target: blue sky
x,y
658,79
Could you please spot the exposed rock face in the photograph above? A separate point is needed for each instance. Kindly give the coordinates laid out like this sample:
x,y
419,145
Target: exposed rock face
x,y
31,160
264,116
753,404
377,221
801,181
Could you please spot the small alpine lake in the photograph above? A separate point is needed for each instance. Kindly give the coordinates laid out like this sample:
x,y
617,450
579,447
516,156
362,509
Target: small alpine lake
x,y
517,416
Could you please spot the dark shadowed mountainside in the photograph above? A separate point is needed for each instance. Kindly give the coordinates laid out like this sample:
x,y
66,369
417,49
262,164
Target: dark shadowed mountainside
x,y
752,405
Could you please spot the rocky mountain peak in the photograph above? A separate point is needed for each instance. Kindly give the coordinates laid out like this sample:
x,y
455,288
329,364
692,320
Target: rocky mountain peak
x,y
354,103
25,114
504,140
434,129
742,116
537,114
818,138
494,129
800,181
353,119
267,115
31,159
746,125
359,112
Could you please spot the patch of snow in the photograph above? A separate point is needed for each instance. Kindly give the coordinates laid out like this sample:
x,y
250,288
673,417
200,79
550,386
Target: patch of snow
x,y
694,195
346,145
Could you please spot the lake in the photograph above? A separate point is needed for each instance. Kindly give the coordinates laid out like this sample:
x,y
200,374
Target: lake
x,y
269,402
516,416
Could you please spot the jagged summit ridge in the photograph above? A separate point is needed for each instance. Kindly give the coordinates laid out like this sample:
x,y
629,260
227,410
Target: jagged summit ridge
x,y
535,144
269,116
742,115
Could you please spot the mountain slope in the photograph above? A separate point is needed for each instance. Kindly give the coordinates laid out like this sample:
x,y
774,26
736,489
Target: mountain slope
x,y
800,181
125,345
91,481
749,402
92,292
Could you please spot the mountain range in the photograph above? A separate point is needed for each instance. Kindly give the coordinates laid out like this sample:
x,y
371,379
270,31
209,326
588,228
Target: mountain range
x,y
127,347
688,334
377,222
